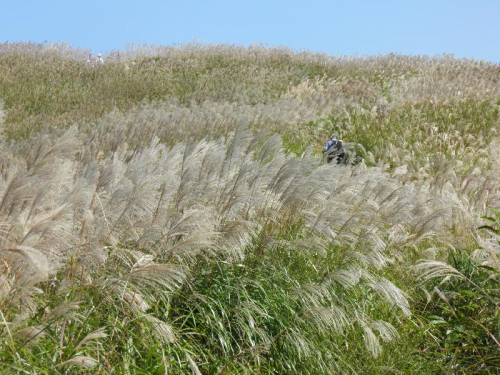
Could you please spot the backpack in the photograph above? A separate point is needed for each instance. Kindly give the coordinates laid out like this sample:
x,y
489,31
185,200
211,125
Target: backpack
x,y
336,147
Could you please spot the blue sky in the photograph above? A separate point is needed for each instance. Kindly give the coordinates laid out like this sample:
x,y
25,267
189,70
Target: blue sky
x,y
465,28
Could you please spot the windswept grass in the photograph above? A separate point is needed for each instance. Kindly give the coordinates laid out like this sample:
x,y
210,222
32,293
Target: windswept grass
x,y
168,212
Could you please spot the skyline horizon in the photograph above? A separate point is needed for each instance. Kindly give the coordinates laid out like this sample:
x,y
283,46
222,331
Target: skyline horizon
x,y
337,28
131,46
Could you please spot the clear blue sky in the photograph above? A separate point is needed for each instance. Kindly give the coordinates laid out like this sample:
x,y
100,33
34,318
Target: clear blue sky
x,y
465,28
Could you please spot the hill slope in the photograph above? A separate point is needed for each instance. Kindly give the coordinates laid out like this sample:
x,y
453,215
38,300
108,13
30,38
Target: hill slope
x,y
168,211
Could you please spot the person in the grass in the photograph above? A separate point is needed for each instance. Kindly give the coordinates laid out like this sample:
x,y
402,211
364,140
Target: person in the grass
x,y
334,149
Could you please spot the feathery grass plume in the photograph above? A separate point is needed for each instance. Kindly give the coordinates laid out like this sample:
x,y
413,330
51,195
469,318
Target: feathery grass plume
x,y
65,310
29,334
80,361
192,364
330,317
162,330
14,324
165,275
137,302
386,330
391,294
431,269
98,334
371,341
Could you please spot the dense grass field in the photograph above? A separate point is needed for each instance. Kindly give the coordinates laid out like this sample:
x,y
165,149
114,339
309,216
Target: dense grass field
x,y
169,212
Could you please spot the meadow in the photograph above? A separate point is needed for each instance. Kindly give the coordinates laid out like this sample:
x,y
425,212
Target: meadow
x,y
170,212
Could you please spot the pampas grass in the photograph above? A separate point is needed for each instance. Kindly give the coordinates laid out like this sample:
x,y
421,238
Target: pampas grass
x,y
181,232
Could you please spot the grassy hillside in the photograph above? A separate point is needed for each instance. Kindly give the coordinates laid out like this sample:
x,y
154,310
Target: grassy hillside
x,y
169,212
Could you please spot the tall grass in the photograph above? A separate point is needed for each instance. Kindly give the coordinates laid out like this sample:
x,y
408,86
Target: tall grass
x,y
156,218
